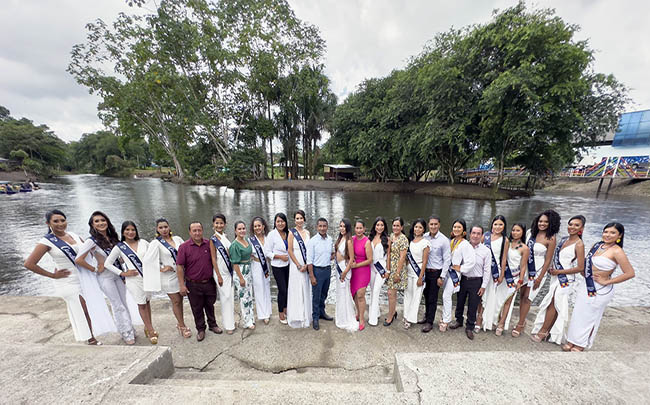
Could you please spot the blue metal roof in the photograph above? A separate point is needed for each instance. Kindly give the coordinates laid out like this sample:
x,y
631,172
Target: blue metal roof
x,y
633,129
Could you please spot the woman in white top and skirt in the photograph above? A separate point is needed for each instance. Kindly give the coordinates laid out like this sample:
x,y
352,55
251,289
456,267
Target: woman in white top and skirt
x,y
160,270
568,259
78,287
261,269
299,292
102,240
541,245
416,258
596,289
510,280
499,244
378,274
223,273
130,252
275,249
345,317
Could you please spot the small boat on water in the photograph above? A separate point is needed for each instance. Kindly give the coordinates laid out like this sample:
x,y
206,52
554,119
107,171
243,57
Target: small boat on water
x,y
7,187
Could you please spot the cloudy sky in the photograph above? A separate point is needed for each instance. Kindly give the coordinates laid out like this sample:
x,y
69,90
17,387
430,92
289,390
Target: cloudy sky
x,y
365,38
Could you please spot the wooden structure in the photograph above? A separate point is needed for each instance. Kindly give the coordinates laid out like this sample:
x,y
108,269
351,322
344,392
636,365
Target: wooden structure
x,y
340,172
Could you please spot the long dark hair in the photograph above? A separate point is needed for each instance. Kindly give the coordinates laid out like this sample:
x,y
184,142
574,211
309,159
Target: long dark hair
x,y
553,224
286,224
348,229
412,230
160,220
464,225
383,236
580,218
111,238
523,232
50,214
620,228
124,225
504,233
264,225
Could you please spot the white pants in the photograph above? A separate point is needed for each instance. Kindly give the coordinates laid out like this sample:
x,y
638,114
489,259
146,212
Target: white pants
x,y
376,282
412,298
447,293
261,290
115,290
226,298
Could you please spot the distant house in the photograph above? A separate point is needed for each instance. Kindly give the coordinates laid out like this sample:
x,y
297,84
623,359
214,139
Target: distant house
x,y
340,172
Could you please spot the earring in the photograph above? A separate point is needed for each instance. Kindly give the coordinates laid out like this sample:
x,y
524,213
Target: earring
x,y
618,240
580,233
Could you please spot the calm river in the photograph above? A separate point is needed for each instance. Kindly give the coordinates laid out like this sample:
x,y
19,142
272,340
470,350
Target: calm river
x,y
144,200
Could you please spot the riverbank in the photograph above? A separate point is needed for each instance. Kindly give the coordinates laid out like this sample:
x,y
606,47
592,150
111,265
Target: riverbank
x,y
276,363
468,191
622,187
18,176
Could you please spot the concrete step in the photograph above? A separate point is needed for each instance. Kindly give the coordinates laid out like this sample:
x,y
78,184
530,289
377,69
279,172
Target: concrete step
x,y
277,385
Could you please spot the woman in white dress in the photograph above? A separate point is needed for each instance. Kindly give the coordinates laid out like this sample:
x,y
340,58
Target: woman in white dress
x,y
275,249
511,278
261,269
345,311
160,270
596,289
499,244
541,245
416,258
379,241
78,287
568,259
130,252
222,272
92,255
299,293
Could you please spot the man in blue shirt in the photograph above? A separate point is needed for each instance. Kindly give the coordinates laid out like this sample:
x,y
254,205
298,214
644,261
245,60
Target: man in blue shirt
x,y
320,252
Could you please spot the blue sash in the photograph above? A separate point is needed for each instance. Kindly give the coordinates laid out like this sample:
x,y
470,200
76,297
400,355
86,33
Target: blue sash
x,y
510,279
382,270
412,262
589,273
108,252
338,268
301,244
169,247
126,249
531,259
562,278
260,254
223,252
495,266
67,250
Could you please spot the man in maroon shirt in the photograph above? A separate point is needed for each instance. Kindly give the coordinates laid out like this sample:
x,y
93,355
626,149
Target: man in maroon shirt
x,y
195,277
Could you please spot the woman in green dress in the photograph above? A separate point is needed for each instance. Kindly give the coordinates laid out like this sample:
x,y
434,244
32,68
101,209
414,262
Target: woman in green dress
x,y
396,267
240,256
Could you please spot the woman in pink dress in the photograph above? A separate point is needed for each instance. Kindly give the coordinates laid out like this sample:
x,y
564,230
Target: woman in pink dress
x,y
360,279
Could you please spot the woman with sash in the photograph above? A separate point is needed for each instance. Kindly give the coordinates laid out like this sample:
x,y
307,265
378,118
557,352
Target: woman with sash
x,y
130,252
360,269
398,245
568,259
596,290
241,251
78,287
160,270
92,256
299,292
499,244
275,249
511,278
379,241
223,272
417,256
462,254
541,245
261,270
345,311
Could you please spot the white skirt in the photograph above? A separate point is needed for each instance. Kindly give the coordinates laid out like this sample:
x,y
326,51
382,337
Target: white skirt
x,y
376,282
587,313
489,302
169,282
298,298
226,299
345,317
503,292
135,287
560,298
533,293
261,290
69,289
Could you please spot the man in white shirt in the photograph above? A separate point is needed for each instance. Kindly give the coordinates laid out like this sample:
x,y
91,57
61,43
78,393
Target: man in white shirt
x,y
473,282
320,252
439,258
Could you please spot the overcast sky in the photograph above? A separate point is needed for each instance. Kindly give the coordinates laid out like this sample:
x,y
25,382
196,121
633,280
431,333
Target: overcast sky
x,y
365,38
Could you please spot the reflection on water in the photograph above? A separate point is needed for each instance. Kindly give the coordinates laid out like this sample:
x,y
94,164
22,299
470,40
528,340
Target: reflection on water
x,y
144,200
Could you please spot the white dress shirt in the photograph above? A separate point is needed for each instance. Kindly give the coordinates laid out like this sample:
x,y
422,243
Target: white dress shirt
x,y
483,265
439,252
464,257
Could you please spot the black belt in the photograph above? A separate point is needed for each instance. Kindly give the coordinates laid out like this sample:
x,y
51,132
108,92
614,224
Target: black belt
x,y
470,278
198,281
432,270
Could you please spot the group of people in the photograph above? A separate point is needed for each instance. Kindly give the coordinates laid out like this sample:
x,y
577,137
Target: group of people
x,y
486,268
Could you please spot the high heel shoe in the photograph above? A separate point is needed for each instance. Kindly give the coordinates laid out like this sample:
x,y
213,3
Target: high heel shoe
x,y
153,336
184,331
540,337
499,331
386,323
516,332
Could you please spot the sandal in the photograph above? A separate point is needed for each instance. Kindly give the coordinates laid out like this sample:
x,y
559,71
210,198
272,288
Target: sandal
x,y
94,342
184,331
153,336
540,337
230,332
567,347
407,324
499,331
516,332
443,326
266,321
576,349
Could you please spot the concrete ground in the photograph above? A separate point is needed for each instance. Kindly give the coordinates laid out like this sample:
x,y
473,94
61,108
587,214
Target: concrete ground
x,y
276,363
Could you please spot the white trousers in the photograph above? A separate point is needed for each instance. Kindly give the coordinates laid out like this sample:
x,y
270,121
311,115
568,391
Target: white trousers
x,y
447,292
226,298
115,290
412,298
376,282
261,290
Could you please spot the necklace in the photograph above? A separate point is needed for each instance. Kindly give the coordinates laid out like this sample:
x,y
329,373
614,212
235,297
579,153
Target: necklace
x,y
605,246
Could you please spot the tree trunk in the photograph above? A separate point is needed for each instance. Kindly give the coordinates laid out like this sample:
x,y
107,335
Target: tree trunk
x,y
179,169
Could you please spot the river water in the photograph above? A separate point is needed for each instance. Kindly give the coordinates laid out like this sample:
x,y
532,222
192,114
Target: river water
x,y
143,200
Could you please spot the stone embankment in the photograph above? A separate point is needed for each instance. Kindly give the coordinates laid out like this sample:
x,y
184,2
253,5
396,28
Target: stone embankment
x,y
274,363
